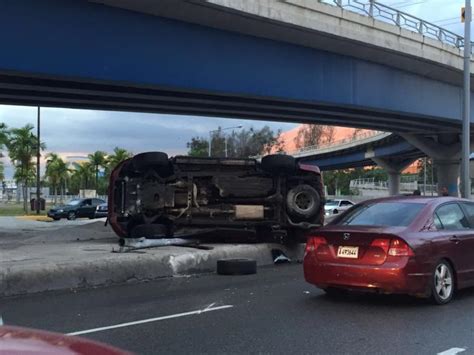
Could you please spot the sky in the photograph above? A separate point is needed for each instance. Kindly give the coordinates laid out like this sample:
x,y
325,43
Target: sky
x,y
79,132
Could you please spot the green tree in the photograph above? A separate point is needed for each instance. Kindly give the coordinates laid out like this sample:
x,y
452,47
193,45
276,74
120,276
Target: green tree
x,y
198,147
57,174
22,147
243,143
83,174
3,142
313,135
97,160
253,142
118,156
430,171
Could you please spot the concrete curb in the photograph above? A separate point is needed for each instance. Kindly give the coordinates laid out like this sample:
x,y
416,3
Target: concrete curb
x,y
117,268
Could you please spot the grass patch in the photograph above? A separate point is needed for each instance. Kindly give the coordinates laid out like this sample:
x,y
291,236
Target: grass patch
x,y
15,209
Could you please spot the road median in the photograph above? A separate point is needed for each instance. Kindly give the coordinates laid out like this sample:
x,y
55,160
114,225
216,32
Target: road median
x,y
46,266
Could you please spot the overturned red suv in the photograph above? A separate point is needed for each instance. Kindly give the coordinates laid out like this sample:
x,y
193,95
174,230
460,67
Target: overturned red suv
x,y
153,196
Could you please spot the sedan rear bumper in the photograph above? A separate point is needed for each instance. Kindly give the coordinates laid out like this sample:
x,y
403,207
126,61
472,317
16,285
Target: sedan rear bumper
x,y
391,277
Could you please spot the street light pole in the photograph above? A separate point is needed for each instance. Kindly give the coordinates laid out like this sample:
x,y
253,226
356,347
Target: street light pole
x,y
466,121
210,142
38,149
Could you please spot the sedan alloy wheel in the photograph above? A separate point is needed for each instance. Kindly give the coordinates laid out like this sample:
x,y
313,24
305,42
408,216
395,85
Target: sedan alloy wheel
x,y
443,283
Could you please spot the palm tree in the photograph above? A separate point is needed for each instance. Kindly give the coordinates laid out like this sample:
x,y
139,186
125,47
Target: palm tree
x,y
97,160
116,158
51,172
57,173
22,146
84,173
3,141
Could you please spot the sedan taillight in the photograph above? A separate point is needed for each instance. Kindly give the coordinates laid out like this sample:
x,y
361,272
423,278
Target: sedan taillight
x,y
399,247
313,243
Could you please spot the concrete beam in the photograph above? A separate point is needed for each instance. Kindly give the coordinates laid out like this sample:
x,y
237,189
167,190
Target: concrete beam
x,y
317,25
435,149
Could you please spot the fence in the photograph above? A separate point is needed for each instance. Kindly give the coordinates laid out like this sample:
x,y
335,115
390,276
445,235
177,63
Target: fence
x,y
341,143
407,184
398,18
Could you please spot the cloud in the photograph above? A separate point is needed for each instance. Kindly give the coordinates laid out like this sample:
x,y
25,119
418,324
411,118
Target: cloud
x,y
79,132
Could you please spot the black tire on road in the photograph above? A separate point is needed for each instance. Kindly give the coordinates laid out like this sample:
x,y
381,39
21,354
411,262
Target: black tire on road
x,y
236,267
442,283
143,161
149,231
334,291
56,218
71,216
303,201
278,164
335,212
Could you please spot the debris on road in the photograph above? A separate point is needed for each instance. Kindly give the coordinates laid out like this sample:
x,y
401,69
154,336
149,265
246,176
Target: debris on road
x,y
127,244
279,257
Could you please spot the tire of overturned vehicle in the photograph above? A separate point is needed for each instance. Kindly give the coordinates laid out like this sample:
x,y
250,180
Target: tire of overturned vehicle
x,y
278,163
143,161
303,201
149,231
236,267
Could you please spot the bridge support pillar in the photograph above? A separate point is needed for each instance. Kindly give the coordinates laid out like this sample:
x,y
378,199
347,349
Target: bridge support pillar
x,y
445,149
394,169
448,175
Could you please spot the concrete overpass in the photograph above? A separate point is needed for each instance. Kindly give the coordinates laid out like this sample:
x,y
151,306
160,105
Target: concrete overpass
x,y
289,60
387,150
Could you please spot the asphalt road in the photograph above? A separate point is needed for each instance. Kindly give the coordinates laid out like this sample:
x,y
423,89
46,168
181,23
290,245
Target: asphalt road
x,y
274,311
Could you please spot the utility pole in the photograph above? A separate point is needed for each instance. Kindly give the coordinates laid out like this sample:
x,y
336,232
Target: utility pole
x,y
38,154
466,121
424,176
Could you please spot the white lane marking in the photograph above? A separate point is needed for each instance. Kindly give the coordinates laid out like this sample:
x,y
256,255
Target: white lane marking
x,y
149,320
452,351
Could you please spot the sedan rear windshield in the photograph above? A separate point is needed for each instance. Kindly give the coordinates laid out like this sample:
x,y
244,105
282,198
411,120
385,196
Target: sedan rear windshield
x,y
390,214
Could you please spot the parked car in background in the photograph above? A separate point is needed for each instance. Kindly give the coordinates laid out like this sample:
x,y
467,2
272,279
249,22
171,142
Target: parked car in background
x,y
337,206
101,210
153,196
79,208
413,245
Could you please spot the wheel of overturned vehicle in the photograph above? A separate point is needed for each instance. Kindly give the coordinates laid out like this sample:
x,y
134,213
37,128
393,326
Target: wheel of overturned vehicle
x,y
236,267
278,163
71,216
143,161
149,231
303,201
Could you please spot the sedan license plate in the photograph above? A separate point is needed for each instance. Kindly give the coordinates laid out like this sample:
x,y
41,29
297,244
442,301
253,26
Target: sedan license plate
x,y
348,252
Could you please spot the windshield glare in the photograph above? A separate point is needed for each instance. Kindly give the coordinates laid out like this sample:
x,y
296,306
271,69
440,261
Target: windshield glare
x,y
390,214
332,203
74,202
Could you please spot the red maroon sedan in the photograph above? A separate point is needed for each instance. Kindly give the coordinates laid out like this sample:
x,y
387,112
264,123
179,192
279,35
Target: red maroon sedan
x,y
25,341
411,245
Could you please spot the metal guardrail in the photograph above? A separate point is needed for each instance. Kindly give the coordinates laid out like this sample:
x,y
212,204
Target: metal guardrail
x,y
401,19
341,143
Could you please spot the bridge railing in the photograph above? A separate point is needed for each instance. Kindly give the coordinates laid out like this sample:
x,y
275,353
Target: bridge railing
x,y
338,144
401,19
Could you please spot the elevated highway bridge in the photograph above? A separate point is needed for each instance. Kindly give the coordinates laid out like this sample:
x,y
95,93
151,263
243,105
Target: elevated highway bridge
x,y
283,60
